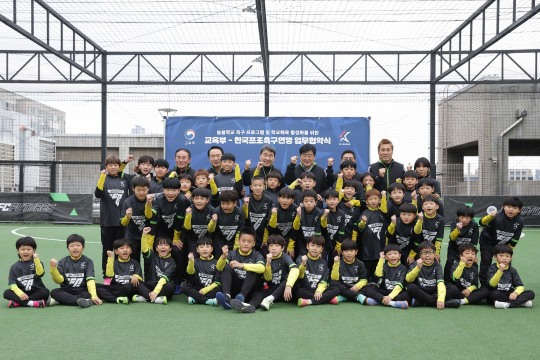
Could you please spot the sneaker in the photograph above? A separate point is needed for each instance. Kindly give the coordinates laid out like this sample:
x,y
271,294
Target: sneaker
x,y
303,302
224,300
191,300
266,303
107,281
51,302
212,302
527,304
138,298
161,300
242,306
341,298
39,303
501,305
334,300
361,298
84,303
452,303
240,297
122,300
401,305
13,304
371,302
178,289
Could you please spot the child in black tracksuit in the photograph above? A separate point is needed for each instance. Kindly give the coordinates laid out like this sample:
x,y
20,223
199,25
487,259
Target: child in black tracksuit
x,y
464,230
348,273
404,231
226,222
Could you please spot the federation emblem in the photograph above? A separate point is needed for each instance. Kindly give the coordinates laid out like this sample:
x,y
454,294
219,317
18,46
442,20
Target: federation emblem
x,y
343,140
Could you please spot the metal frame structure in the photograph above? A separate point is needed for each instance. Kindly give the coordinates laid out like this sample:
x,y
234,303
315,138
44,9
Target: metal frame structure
x,y
449,62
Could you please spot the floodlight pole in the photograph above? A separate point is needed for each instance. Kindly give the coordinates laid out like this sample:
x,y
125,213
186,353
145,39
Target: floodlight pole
x,y
432,114
104,107
263,38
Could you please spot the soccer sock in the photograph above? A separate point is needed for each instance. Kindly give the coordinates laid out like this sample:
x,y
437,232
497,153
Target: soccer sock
x,y
464,301
392,303
30,303
309,302
271,298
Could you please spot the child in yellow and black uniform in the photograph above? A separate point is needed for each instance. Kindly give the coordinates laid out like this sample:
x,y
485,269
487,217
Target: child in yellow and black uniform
x,y
432,225
464,273
112,190
257,208
313,287
25,285
389,289
160,273
75,274
280,274
506,288
333,225
241,269
426,283
229,177
283,219
203,277
348,273
124,272
197,220
226,222
405,231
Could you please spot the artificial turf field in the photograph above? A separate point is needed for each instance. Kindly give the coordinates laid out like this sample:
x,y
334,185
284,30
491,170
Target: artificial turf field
x,y
178,330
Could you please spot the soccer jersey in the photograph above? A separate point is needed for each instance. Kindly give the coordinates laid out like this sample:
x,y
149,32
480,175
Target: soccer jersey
x,y
373,235
285,219
280,268
467,235
138,220
403,235
392,276
335,229
350,212
501,230
432,230
440,210
115,192
509,280
169,215
468,278
156,185
252,257
123,270
76,272
392,208
23,275
429,275
272,194
206,272
227,181
259,215
316,272
310,224
351,274
159,267
228,225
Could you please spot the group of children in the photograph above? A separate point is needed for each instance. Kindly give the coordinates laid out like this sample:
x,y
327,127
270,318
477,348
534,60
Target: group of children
x,y
199,236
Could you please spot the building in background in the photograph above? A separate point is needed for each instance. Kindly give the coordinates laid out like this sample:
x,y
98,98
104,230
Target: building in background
x,y
500,125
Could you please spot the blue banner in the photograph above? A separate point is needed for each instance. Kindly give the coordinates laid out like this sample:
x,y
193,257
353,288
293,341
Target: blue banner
x,y
244,137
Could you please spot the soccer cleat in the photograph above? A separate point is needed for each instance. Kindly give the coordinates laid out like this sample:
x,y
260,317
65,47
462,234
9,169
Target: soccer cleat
x,y
240,297
341,298
266,303
51,302
122,300
107,281
527,304
361,298
13,304
401,305
191,300
303,302
84,303
223,300
160,300
212,302
371,302
334,300
138,298
178,289
501,305
242,306
452,303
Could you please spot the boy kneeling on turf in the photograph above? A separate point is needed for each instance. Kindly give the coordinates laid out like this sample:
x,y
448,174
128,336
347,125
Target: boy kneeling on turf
x,y
161,268
464,273
75,274
25,285
506,287
280,274
313,285
390,275
203,277
349,274
124,272
425,278
241,269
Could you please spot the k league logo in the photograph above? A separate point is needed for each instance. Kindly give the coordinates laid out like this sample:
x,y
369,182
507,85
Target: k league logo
x,y
343,140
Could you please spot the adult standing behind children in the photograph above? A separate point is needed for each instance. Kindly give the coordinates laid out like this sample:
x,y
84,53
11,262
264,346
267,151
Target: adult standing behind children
x,y
267,156
386,171
182,158
307,164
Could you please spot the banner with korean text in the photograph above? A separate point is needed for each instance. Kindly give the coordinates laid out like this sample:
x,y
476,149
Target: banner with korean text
x,y
244,137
